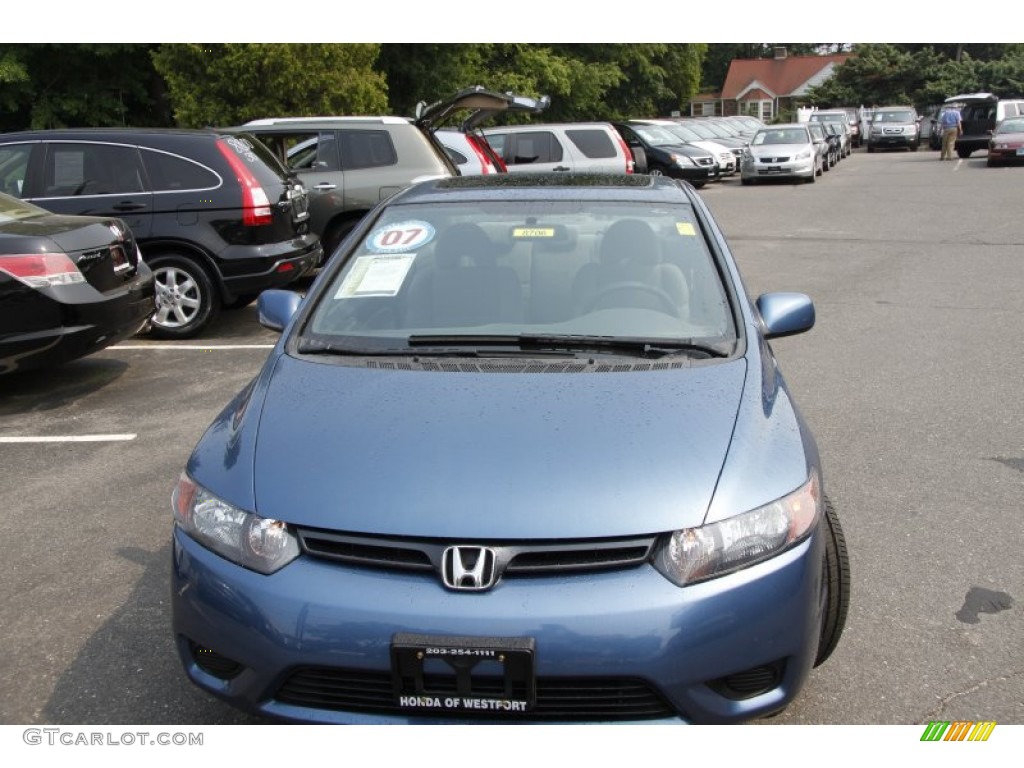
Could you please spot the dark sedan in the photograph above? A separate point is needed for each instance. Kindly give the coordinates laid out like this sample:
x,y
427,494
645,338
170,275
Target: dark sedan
x,y
69,286
1007,142
669,155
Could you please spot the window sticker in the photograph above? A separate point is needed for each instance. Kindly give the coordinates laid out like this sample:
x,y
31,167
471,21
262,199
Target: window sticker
x,y
376,275
68,168
401,237
685,228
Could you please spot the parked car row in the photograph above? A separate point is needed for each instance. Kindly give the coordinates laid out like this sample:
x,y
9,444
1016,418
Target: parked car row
x,y
799,151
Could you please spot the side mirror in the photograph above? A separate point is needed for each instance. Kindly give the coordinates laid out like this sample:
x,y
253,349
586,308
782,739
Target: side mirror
x,y
275,308
785,314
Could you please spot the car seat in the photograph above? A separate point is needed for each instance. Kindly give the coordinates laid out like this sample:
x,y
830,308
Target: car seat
x,y
629,272
465,286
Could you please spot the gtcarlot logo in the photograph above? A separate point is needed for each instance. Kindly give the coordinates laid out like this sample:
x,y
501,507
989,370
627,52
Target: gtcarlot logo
x,y
958,730
72,738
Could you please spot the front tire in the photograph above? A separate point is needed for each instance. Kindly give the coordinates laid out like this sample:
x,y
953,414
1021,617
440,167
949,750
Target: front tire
x,y
186,300
835,584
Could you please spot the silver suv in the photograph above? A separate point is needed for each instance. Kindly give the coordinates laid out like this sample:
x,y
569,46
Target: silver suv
x,y
894,127
563,147
349,164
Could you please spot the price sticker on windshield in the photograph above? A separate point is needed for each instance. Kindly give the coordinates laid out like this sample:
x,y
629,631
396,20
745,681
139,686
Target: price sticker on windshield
x,y
533,232
685,228
400,237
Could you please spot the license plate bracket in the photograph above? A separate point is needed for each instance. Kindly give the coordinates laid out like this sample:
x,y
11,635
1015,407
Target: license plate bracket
x,y
440,673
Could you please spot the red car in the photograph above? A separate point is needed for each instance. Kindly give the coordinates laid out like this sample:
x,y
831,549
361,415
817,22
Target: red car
x,y
1007,142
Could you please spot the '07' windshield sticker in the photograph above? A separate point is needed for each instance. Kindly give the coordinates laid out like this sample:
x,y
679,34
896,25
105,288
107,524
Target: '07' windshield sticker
x,y
400,237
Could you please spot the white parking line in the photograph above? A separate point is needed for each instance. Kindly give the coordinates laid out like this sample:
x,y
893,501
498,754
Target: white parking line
x,y
69,439
204,347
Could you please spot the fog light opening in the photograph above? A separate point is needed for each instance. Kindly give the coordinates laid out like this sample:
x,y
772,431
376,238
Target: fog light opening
x,y
750,682
214,663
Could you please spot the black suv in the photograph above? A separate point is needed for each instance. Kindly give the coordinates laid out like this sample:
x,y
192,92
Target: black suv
x,y
216,217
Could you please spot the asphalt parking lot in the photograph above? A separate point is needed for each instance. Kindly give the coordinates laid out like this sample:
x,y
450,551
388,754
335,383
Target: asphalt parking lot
x,y
916,268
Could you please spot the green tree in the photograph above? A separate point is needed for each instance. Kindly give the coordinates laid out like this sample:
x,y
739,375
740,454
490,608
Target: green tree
x,y
584,81
879,74
50,85
230,83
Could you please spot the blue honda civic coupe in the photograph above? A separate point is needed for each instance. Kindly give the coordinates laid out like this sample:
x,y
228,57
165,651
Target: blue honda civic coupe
x,y
522,454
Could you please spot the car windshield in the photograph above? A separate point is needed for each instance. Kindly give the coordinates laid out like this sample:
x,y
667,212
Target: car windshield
x,y
893,116
508,273
656,135
781,136
685,133
1011,125
702,131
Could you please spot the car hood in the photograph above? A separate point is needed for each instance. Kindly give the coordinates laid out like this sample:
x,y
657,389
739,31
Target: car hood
x,y
491,455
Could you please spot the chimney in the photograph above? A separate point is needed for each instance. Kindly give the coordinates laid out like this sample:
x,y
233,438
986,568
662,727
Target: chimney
x,y
780,52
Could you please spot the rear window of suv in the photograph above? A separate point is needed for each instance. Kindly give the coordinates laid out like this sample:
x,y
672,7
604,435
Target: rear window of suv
x,y
170,173
592,142
262,163
366,149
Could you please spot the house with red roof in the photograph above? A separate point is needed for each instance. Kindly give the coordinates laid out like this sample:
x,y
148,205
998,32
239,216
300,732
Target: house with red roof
x,y
766,87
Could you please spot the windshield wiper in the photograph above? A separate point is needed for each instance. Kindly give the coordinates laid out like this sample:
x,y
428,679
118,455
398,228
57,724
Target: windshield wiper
x,y
533,342
457,349
317,347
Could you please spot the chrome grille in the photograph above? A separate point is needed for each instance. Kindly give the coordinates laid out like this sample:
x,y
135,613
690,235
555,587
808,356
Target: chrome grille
x,y
514,558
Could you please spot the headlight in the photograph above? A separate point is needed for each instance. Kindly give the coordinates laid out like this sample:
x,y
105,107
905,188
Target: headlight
x,y
242,537
697,554
681,160
802,155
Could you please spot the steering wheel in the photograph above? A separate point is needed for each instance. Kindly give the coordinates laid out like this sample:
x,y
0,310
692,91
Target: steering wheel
x,y
665,302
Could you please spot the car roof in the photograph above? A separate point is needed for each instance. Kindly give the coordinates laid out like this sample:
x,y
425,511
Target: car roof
x,y
972,97
532,126
109,132
327,120
547,186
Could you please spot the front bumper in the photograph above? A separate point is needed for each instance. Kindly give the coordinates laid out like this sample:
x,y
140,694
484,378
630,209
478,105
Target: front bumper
x,y
311,643
896,140
759,169
696,173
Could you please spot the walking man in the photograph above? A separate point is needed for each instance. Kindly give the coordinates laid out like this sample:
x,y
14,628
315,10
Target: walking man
x,y
952,127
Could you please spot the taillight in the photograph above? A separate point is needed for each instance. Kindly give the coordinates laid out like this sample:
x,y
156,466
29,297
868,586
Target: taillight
x,y
626,151
486,152
486,166
256,210
42,270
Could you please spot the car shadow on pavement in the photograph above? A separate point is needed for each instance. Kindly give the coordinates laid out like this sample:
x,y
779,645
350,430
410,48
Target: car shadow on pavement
x,y
128,672
51,388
